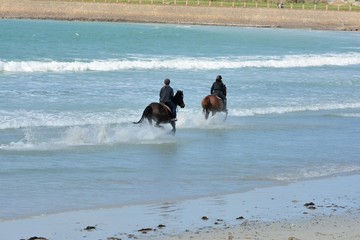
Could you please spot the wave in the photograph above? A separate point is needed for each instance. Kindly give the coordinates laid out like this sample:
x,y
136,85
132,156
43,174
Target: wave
x,y
318,172
27,119
292,109
187,118
83,136
43,131
349,115
183,63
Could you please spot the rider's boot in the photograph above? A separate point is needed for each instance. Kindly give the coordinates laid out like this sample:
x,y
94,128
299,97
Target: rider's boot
x,y
225,103
173,119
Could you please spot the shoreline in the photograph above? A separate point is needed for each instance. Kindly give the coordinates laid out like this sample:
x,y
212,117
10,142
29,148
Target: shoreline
x,y
301,210
189,15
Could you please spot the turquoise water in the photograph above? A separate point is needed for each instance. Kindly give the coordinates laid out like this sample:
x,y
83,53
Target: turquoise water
x,y
70,90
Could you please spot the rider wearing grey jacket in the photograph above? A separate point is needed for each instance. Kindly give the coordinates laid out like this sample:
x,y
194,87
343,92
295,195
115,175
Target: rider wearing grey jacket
x,y
166,96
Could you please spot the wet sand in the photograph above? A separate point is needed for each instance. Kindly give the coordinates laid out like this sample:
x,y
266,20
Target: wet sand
x,y
226,16
315,209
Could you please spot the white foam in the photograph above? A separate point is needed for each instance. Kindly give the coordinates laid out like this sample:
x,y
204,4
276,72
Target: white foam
x,y
90,135
318,172
350,115
292,109
187,118
26,119
183,63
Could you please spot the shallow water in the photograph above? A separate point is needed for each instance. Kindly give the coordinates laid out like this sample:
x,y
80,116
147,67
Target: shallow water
x,y
68,97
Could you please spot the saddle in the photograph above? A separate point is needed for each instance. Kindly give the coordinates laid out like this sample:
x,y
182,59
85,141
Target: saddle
x,y
215,95
222,100
165,106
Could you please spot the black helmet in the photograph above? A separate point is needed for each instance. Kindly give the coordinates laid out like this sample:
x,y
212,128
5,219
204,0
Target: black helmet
x,y
167,81
218,78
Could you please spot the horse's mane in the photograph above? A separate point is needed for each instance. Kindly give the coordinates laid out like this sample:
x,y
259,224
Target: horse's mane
x,y
178,94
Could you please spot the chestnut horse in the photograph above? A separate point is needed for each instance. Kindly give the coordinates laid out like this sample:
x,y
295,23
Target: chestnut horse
x,y
213,104
161,113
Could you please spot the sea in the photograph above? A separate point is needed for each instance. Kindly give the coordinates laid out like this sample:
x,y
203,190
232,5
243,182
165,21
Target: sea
x,y
70,92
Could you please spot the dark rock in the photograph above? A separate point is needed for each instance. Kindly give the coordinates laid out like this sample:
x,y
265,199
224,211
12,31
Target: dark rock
x,y
205,218
90,228
240,218
310,205
145,230
37,238
161,226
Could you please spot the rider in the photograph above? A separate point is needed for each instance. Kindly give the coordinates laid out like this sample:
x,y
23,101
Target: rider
x,y
219,89
166,97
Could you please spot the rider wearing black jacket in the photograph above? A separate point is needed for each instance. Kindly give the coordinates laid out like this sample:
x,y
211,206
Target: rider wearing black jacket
x,y
219,89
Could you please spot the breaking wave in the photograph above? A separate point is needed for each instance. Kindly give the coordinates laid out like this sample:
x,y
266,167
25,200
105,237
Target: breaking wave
x,y
182,63
188,118
292,109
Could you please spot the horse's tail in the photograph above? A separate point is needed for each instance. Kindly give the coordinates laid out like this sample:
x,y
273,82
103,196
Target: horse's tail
x,y
205,103
146,114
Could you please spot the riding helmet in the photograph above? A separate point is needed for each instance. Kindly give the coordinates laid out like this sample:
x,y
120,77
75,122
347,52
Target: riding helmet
x,y
218,78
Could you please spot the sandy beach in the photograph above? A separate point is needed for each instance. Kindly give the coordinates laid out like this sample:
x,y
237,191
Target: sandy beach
x,y
315,209
230,16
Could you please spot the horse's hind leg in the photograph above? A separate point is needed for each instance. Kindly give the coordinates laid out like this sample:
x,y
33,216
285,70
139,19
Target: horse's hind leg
x,y
150,121
207,114
157,124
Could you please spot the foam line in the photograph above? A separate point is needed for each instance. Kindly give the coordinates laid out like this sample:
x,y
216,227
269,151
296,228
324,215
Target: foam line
x,y
183,63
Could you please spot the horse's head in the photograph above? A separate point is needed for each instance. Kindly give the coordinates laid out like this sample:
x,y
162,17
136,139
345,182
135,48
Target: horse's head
x,y
179,99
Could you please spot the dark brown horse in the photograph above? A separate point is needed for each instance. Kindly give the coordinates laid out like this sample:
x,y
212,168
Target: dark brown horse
x,y
213,104
161,113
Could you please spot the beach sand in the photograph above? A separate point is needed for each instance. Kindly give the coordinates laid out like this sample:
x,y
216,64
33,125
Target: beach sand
x,y
318,228
314,209
145,13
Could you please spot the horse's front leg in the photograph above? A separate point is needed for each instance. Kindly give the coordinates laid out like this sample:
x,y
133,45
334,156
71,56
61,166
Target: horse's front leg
x,y
226,113
173,127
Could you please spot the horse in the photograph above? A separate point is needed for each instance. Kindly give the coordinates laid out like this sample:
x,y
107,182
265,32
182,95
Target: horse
x,y
161,113
213,104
